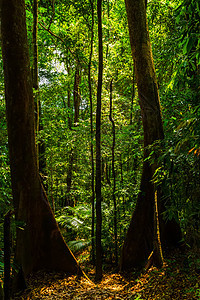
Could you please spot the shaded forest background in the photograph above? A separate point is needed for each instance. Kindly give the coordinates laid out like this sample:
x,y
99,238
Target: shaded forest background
x,y
65,136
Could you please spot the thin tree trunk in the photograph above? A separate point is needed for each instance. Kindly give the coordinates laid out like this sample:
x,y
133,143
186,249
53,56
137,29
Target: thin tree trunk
x,y
68,199
77,97
122,185
69,108
39,243
92,134
132,99
1,288
38,124
98,275
69,100
157,247
42,151
114,175
51,183
7,256
35,67
107,171
108,30
35,46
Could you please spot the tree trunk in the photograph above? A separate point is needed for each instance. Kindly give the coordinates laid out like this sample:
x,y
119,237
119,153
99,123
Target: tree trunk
x,y
132,99
69,99
39,243
68,200
114,176
7,255
37,105
77,97
98,275
35,66
108,30
157,248
138,242
139,239
92,134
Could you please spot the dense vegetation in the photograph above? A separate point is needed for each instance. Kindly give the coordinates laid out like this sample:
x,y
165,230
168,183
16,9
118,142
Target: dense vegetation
x,y
67,100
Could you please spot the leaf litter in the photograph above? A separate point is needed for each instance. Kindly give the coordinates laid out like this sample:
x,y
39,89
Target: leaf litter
x,y
177,279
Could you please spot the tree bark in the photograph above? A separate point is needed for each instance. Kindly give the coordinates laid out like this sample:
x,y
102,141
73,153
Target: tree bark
x,y
132,99
98,275
35,66
7,255
92,135
77,97
138,243
69,99
39,243
68,199
114,175
35,46
37,105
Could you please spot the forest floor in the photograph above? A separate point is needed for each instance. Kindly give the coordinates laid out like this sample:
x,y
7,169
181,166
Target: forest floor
x,y
178,279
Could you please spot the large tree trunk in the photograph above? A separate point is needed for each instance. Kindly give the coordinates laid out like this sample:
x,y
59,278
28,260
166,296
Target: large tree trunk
x,y
139,239
39,243
138,243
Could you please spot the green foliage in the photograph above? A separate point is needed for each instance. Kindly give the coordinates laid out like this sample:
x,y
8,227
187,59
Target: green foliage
x,y
64,36
187,20
197,293
76,222
179,165
1,263
79,245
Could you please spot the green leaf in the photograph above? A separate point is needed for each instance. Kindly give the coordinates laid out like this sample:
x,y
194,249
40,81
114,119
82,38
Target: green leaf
x,y
198,58
188,45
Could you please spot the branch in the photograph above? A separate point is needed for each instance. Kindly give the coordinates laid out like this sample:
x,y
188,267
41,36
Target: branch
x,y
44,26
51,32
55,35
53,14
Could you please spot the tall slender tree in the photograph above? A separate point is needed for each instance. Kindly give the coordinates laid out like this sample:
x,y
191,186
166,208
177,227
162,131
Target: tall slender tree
x,y
37,105
98,148
39,243
69,201
113,171
35,64
138,243
92,133
76,94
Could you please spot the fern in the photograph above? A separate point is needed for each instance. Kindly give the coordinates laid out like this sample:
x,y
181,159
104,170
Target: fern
x,y
78,245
